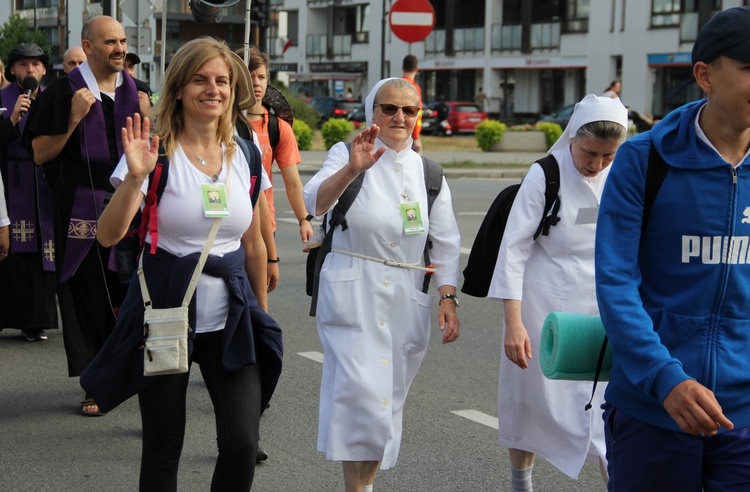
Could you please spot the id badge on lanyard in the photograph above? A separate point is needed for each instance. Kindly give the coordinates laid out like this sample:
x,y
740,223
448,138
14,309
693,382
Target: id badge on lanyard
x,y
214,198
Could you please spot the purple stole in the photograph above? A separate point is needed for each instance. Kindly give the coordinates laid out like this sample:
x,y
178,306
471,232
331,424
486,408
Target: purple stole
x,y
26,185
88,202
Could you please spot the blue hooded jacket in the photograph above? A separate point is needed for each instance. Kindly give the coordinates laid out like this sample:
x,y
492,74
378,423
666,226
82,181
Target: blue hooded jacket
x,y
675,296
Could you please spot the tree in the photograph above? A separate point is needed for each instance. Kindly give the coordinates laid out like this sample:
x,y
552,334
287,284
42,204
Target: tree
x,y
17,30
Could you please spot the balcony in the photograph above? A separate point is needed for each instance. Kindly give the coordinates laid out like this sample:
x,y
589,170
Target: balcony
x,y
322,3
545,35
44,16
316,45
464,40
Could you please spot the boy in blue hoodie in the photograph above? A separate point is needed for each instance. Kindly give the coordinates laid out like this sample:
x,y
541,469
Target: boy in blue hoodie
x,y
674,289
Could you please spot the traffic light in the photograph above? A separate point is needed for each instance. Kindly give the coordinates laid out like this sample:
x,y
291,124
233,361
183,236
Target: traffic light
x,y
259,13
209,11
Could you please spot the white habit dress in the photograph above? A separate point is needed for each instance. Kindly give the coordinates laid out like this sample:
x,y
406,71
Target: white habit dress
x,y
373,320
553,273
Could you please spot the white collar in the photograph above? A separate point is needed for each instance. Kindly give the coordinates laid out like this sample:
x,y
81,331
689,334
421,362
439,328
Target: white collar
x,y
90,79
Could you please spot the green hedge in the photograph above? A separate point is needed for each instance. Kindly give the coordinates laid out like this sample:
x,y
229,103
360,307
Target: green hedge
x,y
552,131
336,130
488,133
303,134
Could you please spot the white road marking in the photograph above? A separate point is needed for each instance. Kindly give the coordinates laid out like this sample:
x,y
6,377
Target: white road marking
x,y
316,356
465,251
477,416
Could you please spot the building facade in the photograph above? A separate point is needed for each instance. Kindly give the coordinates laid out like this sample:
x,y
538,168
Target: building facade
x,y
529,58
146,23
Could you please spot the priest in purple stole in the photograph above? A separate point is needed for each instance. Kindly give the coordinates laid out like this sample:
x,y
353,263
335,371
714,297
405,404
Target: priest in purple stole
x,y
27,278
74,132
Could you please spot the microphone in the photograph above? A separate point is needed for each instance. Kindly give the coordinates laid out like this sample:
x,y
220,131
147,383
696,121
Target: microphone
x,y
29,85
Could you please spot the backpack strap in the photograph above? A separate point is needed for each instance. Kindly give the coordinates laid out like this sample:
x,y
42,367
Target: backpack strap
x,y
157,183
433,182
551,195
655,173
337,219
252,156
274,133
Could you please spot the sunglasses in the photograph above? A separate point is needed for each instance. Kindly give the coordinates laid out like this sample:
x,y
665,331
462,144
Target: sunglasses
x,y
392,109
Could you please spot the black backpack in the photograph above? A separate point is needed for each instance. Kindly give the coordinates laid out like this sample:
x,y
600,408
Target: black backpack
x,y
433,180
484,251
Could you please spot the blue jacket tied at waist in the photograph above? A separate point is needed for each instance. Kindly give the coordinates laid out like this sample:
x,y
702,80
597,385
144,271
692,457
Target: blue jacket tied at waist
x,y
250,335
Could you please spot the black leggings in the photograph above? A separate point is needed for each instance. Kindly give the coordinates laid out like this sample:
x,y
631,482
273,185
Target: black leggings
x,y
236,399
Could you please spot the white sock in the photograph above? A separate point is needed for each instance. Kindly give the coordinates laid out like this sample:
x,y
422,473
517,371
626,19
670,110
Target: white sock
x,y
520,480
368,488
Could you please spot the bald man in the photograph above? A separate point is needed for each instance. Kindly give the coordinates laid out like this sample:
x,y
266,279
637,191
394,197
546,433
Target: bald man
x,y
74,130
73,57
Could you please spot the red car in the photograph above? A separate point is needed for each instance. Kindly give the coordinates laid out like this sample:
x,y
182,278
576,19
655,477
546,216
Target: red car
x,y
464,116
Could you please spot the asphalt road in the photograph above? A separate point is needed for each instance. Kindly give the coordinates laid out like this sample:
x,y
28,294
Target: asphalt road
x,y
449,441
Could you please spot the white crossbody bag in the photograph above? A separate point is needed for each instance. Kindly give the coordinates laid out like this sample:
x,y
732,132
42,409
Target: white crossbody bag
x,y
165,331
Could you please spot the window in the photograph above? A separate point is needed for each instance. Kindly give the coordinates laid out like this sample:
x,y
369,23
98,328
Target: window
x,y
667,12
352,21
576,16
38,4
292,26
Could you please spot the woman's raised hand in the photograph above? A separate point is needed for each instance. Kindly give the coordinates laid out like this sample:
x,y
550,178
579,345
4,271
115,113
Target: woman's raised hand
x,y
361,155
140,154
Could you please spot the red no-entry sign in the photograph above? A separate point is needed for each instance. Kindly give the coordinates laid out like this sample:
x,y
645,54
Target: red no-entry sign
x,y
412,20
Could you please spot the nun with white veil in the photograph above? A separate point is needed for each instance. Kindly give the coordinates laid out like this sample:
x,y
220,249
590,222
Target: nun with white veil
x,y
554,273
372,318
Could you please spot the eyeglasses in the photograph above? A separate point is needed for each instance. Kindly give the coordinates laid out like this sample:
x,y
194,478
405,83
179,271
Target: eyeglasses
x,y
392,109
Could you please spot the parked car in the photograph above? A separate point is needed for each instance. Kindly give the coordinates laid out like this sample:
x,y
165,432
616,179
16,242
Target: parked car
x,y
330,107
561,116
463,117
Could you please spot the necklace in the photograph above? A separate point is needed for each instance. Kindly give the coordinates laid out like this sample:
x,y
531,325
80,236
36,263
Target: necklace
x,y
198,158
203,163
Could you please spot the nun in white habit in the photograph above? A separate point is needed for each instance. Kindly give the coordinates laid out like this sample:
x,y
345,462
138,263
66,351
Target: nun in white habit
x,y
372,318
554,273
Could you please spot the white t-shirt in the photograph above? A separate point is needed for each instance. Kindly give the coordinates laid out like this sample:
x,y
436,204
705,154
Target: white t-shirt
x,y
183,228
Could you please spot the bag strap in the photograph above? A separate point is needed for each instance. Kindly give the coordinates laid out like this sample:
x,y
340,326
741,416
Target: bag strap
x,y
201,261
655,173
338,217
597,373
157,183
274,132
551,195
433,182
253,158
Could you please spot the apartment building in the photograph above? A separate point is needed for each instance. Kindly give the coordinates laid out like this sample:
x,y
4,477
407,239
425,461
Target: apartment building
x,y
529,57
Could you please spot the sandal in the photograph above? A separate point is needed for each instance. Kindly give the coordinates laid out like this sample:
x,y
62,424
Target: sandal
x,y
86,406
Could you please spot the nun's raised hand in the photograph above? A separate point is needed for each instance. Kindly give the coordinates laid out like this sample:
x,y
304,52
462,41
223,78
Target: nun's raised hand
x,y
362,155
